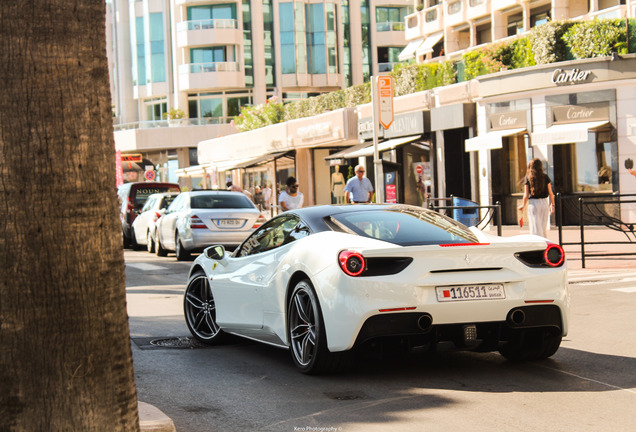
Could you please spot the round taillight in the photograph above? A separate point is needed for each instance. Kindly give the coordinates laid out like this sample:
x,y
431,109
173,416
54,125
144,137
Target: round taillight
x,y
554,255
352,263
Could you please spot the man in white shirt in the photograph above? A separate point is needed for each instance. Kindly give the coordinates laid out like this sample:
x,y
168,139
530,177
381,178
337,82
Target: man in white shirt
x,y
291,198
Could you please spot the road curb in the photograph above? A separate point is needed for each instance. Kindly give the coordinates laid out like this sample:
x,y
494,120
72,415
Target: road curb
x,y
151,419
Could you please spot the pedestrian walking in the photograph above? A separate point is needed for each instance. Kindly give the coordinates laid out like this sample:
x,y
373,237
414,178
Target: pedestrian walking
x,y
539,198
291,198
359,188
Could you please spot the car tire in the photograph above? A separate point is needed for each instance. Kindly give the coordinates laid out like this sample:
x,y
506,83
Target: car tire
x,y
199,309
307,336
150,243
133,240
179,250
532,344
159,250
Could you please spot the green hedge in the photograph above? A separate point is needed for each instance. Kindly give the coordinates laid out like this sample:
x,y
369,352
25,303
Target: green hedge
x,y
552,42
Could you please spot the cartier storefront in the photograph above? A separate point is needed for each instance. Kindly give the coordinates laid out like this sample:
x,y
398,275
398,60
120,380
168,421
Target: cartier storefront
x,y
579,118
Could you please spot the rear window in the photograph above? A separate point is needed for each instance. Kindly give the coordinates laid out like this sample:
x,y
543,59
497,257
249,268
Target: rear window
x,y
220,202
403,227
142,193
167,200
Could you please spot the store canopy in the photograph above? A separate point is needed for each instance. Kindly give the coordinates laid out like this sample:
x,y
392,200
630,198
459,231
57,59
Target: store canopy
x,y
566,133
409,51
343,153
260,160
195,170
367,150
429,43
491,140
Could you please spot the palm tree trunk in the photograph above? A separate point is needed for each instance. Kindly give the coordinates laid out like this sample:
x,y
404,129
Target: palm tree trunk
x,y
65,354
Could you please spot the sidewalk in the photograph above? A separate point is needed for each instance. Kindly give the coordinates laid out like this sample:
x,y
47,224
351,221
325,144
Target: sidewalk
x,y
572,234
151,419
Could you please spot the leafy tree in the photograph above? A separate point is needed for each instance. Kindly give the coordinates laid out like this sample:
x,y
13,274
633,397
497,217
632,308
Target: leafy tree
x,y
66,356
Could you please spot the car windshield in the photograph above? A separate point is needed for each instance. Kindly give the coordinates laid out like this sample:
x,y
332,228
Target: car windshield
x,y
220,202
404,227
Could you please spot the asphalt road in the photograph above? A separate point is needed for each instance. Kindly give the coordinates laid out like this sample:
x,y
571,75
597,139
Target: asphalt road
x,y
588,385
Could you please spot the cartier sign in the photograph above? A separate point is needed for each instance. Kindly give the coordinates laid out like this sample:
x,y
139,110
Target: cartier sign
x,y
508,120
579,113
573,76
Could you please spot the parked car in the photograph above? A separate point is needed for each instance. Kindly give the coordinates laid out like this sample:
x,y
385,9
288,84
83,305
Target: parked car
x,y
199,219
323,280
143,228
132,197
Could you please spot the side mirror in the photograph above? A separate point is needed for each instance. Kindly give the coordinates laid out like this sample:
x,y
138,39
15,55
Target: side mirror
x,y
216,252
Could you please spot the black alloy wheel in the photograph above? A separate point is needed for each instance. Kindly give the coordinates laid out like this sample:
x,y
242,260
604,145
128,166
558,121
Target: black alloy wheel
x,y
306,334
200,310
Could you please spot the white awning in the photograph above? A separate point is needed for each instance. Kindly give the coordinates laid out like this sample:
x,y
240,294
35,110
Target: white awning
x,y
491,140
383,146
195,170
565,133
409,51
429,43
259,160
343,153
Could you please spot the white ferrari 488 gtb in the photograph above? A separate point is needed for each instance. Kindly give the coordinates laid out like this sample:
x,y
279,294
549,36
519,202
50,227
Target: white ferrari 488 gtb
x,y
323,280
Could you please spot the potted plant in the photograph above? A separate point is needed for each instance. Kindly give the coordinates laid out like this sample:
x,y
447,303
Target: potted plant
x,y
173,115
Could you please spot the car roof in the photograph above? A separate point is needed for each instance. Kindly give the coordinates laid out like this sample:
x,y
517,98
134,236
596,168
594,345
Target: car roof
x,y
214,192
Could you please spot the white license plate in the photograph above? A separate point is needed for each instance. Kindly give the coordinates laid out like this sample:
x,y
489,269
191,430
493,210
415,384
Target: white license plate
x,y
229,223
470,292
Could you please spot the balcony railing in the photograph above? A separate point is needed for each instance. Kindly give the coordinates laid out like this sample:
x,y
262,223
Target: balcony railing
x,y
176,122
206,24
209,67
389,26
386,67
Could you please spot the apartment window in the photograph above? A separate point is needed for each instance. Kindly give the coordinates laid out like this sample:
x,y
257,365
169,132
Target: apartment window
x,y
346,35
208,55
539,16
515,24
157,48
287,42
365,14
431,15
208,12
390,18
155,108
484,34
140,64
332,38
454,7
247,44
474,3
205,105
316,38
235,104
268,23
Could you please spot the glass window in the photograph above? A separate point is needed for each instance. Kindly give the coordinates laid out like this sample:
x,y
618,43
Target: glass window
x,y
141,51
287,44
271,235
219,201
316,38
404,227
211,108
157,50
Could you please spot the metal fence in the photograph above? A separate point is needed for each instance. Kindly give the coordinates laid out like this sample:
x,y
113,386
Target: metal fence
x,y
603,210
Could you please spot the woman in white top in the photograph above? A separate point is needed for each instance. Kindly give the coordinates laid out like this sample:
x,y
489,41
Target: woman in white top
x,y
291,198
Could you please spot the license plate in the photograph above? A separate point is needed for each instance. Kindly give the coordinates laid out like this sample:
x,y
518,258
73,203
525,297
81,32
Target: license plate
x,y
470,292
229,223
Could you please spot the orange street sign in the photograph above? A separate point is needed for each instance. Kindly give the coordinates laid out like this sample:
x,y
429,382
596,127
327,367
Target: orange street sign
x,y
385,96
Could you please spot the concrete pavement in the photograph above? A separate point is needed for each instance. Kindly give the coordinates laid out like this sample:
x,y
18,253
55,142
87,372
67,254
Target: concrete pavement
x,y
153,420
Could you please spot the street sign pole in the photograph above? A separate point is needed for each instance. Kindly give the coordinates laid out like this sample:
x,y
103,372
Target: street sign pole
x,y
377,162
382,101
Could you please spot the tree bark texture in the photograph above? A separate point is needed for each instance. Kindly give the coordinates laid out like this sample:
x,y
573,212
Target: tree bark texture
x,y
65,354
